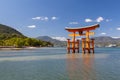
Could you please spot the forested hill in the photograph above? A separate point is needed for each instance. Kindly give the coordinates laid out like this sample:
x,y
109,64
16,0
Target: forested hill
x,y
7,32
9,37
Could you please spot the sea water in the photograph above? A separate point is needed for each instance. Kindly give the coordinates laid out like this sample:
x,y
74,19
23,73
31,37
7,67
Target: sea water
x,y
56,64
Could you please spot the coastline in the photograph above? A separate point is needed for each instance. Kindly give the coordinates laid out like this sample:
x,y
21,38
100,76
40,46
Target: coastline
x,y
15,48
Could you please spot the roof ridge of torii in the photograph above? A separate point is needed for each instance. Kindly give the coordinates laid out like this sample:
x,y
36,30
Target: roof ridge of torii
x,y
92,27
86,42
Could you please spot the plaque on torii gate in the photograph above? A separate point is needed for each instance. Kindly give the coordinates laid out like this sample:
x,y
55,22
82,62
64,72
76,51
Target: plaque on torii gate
x,y
87,43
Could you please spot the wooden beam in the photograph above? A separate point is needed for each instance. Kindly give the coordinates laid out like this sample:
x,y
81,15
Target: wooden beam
x,y
90,33
81,29
71,35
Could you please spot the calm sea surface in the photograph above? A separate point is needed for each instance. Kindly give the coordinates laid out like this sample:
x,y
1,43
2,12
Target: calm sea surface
x,y
55,64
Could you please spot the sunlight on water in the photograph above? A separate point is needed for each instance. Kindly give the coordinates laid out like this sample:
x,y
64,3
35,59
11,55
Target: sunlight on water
x,y
31,58
47,57
80,68
55,64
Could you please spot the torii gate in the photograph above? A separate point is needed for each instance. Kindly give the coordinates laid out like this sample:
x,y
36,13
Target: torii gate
x,y
87,43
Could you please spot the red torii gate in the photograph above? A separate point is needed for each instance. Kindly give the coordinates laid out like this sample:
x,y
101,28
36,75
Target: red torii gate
x,y
87,43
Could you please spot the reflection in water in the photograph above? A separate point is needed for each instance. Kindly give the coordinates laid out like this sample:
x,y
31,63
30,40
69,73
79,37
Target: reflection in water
x,y
88,67
80,67
73,66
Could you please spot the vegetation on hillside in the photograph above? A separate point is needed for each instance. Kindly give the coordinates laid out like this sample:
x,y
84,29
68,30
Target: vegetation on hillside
x,y
23,42
7,32
12,37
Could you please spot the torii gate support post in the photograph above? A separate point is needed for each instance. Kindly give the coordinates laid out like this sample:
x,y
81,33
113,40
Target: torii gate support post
x,y
78,42
87,45
83,45
73,45
68,45
87,41
93,45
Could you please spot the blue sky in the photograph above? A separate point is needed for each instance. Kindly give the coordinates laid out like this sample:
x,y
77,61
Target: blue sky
x,y
36,18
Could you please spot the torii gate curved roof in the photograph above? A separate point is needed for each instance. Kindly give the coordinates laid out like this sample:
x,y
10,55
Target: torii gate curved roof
x,y
80,29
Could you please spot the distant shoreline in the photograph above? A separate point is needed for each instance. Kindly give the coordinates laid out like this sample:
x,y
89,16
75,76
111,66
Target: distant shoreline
x,y
15,48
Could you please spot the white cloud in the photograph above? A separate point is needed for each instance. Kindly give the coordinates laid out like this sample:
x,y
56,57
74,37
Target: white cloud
x,y
103,33
54,18
41,18
118,28
36,18
45,18
99,19
32,26
59,38
73,23
88,20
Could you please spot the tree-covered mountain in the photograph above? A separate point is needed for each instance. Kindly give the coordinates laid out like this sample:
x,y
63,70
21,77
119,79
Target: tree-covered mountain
x,y
10,37
7,32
